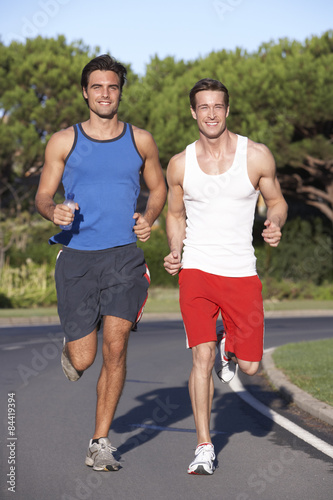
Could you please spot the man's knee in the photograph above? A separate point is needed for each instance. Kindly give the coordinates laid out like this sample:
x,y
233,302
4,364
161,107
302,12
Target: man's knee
x,y
248,367
116,333
204,356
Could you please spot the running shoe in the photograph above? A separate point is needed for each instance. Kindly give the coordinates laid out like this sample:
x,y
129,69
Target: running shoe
x,y
71,373
203,463
224,366
100,455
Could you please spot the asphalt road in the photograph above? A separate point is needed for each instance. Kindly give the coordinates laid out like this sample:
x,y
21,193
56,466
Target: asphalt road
x,y
153,429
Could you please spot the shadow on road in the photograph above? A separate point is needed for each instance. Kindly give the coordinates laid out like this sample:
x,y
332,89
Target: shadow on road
x,y
168,410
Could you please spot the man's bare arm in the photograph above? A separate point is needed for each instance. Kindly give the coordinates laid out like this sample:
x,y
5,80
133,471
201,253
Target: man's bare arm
x,y
155,182
277,208
176,216
56,151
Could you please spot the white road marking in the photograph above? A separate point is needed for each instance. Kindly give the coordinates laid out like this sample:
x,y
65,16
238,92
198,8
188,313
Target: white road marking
x,y
11,347
237,386
169,429
24,343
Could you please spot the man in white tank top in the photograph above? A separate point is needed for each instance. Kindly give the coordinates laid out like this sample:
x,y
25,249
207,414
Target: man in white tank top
x,y
213,189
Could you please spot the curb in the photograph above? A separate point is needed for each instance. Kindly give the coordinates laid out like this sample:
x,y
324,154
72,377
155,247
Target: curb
x,y
54,320
33,320
293,393
151,316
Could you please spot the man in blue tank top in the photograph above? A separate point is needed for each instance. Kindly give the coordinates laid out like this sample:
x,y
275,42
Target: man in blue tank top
x,y
101,275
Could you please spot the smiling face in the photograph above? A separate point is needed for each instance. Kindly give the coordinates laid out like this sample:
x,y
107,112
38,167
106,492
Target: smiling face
x,y
211,113
103,93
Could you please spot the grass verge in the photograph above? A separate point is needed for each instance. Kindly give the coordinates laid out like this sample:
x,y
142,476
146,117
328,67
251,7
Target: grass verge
x,y
164,300
308,365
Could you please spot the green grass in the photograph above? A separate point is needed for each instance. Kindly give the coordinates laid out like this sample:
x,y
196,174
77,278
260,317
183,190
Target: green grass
x,y
28,312
309,366
164,300
298,305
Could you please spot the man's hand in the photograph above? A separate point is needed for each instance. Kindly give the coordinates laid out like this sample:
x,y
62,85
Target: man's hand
x,y
62,215
272,233
172,263
142,228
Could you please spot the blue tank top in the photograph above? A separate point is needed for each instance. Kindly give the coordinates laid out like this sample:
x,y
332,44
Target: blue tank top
x,y
105,179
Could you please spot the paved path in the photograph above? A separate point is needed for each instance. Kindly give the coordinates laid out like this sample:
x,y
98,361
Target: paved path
x,y
279,380
153,428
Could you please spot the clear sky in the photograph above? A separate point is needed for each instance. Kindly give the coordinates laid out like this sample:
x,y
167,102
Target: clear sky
x,y
135,30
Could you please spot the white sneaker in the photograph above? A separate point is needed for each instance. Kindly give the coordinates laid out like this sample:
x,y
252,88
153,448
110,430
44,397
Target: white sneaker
x,y
204,460
100,456
224,366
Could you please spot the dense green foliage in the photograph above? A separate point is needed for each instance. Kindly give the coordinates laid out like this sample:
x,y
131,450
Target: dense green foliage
x,y
40,94
281,95
304,254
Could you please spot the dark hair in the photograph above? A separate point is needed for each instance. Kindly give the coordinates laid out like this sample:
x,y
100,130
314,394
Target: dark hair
x,y
208,84
103,63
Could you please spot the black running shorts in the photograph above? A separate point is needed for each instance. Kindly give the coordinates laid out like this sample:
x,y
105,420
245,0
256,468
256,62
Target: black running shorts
x,y
92,284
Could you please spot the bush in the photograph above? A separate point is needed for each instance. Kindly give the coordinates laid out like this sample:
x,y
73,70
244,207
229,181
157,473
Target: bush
x,y
30,285
155,249
288,290
33,244
5,302
304,254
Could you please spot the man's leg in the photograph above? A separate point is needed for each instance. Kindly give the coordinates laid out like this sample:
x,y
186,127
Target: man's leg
x,y
112,377
225,364
247,367
201,388
82,352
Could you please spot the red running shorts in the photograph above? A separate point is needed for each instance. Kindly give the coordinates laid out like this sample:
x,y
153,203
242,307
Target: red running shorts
x,y
202,296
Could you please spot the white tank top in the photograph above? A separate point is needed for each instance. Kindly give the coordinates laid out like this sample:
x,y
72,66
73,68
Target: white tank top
x,y
219,217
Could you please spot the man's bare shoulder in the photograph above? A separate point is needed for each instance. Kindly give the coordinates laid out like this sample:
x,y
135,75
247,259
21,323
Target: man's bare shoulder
x,y
59,145
256,150
63,138
177,163
178,160
140,131
142,135
176,169
259,156
144,142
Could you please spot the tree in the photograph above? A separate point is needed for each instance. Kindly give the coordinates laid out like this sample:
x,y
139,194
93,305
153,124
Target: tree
x,y
40,94
281,95
304,110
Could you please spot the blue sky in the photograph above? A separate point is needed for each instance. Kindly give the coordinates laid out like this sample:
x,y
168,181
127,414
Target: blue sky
x,y
135,30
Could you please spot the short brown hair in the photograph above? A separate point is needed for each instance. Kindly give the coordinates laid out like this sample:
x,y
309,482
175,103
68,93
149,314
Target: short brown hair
x,y
208,84
103,63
